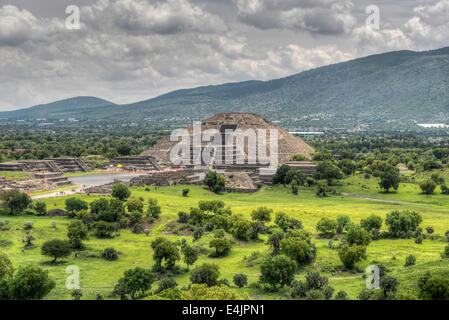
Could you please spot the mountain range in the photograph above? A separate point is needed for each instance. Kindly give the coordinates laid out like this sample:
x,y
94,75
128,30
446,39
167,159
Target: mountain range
x,y
391,90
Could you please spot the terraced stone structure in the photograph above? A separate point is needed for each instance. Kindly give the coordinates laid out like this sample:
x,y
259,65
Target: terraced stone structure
x,y
241,174
57,165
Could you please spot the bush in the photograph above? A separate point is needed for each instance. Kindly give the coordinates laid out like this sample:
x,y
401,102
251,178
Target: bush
x,y
349,256
278,271
326,227
410,261
40,208
262,214
427,186
341,295
371,223
135,283
30,283
240,280
165,284
402,223
120,191
104,229
358,236
222,246
56,249
214,182
75,205
446,252
109,254
185,192
433,287
207,273
183,217
6,268
77,231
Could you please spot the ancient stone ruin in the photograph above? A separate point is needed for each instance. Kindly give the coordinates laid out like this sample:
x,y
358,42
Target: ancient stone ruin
x,y
57,165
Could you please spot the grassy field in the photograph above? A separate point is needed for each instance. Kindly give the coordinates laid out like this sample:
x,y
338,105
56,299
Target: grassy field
x,y
99,276
15,175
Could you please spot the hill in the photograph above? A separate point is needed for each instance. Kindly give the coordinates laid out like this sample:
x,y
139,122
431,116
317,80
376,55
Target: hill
x,y
73,107
386,91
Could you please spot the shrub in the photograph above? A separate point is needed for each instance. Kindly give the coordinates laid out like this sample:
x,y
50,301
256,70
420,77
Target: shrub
x,y
222,246
136,283
104,229
76,294
433,287
40,208
326,227
349,256
207,273
134,205
300,250
278,271
341,295
75,205
185,192
240,280
358,236
77,231
402,223
183,217
214,182
120,191
6,268
262,214
30,283
410,260
427,186
166,283
109,254
446,252
371,223
154,211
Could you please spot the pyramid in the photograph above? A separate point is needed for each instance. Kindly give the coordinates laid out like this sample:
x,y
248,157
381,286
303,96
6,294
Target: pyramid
x,y
288,145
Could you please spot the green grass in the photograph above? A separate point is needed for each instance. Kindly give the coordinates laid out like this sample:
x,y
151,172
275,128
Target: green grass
x,y
99,276
15,175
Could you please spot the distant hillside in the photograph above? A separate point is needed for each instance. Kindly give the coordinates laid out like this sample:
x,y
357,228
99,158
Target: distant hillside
x,y
73,107
391,90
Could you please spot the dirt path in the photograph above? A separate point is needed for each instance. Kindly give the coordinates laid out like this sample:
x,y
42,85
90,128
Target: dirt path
x,y
58,194
379,199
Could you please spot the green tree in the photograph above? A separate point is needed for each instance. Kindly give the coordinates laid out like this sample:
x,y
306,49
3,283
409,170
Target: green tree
x,y
134,204
371,223
282,221
214,182
6,268
207,273
104,229
326,170
402,223
56,249
358,236
120,191
427,186
75,205
222,246
136,282
240,280
164,249
275,238
389,178
40,208
262,214
31,283
280,175
299,250
350,255
15,200
278,271
326,227
190,254
343,222
154,211
77,231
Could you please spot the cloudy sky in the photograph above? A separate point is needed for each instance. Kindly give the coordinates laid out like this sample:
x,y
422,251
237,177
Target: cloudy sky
x,y
131,50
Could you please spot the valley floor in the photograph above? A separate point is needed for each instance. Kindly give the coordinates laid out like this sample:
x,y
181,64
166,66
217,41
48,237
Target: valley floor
x,y
99,275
